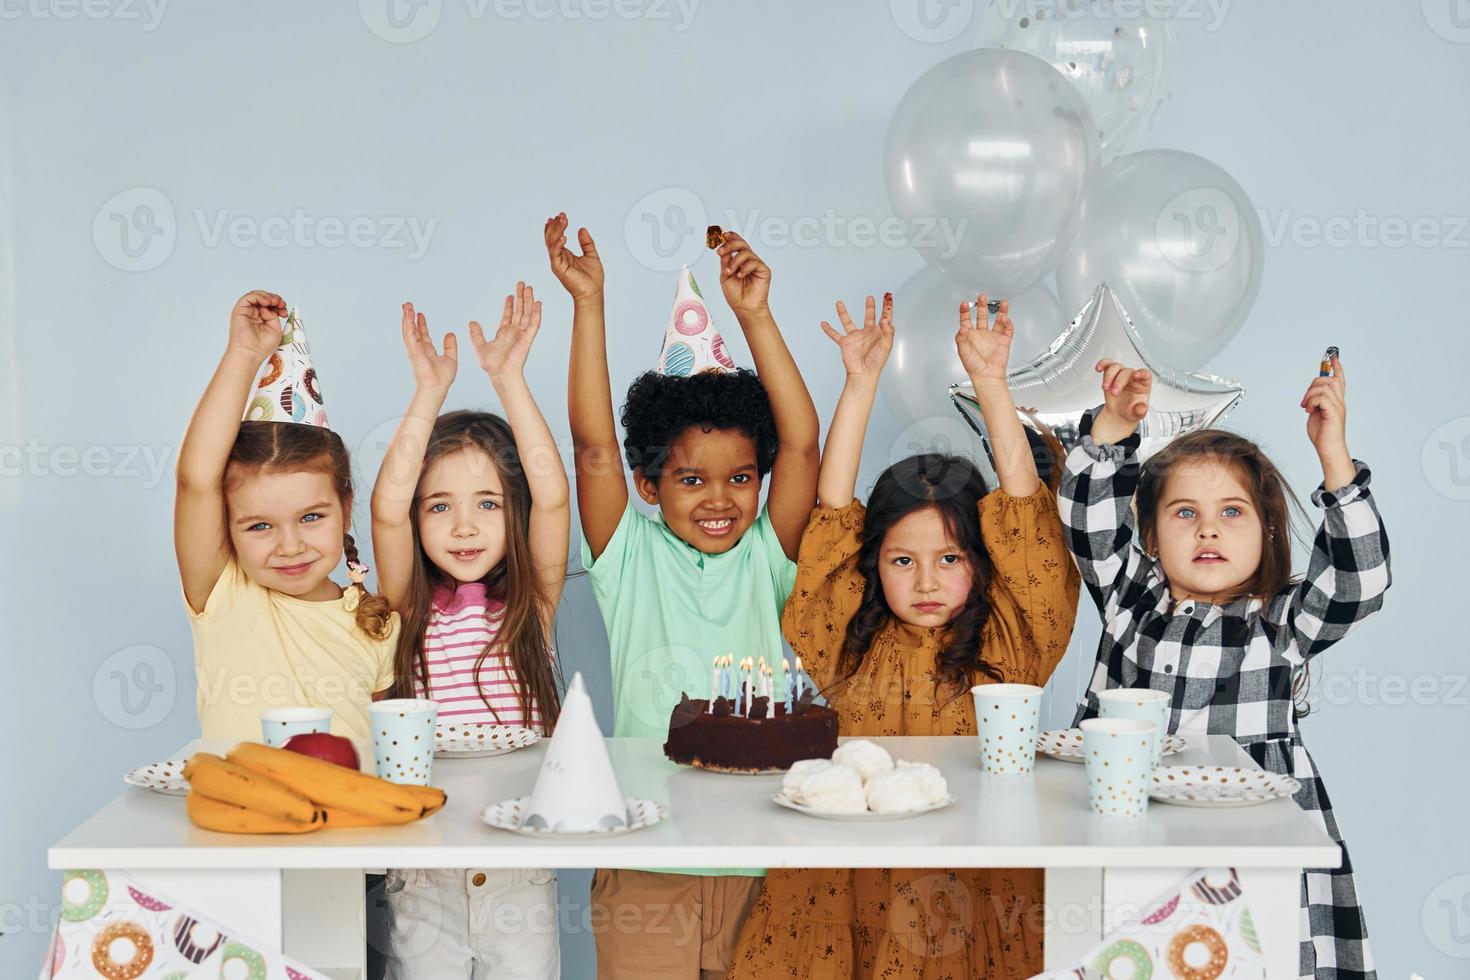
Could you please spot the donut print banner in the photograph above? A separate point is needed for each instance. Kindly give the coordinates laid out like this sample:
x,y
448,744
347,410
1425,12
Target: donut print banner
x,y
115,929
691,342
288,389
1199,930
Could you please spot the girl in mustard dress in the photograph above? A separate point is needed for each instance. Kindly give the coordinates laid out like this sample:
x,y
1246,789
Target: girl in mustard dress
x,y
899,608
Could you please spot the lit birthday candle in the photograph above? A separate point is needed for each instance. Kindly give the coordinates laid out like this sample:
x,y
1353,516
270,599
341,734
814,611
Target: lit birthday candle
x,y
714,685
749,684
788,680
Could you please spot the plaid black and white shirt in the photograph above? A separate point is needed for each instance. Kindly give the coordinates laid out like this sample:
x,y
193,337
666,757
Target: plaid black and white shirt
x,y
1230,667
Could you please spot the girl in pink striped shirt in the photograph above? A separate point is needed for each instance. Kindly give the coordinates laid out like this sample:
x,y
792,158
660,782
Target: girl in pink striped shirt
x,y
471,518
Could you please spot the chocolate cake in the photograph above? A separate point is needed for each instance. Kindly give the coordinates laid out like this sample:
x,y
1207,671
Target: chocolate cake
x,y
727,742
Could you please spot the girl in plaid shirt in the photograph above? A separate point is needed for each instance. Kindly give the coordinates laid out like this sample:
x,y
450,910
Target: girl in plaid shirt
x,y
1201,602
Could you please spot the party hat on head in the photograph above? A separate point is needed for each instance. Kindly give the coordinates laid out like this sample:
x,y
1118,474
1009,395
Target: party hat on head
x,y
576,791
288,389
691,342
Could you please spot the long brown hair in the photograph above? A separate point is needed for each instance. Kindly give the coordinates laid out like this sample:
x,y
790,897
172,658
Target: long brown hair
x,y
523,634
1279,509
952,486
294,447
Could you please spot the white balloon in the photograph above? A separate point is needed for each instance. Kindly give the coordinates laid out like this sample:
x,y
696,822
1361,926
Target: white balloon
x,y
989,158
1120,57
1180,243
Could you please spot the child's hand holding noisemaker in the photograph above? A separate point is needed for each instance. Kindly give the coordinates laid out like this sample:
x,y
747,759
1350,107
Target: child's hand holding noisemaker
x,y
744,277
1326,406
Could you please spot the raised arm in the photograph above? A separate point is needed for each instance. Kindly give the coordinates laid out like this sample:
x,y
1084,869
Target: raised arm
x,y
398,478
864,350
1098,483
602,482
201,542
985,352
746,282
504,361
1348,571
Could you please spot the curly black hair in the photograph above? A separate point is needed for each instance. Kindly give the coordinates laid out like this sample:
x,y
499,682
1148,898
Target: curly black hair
x,y
660,407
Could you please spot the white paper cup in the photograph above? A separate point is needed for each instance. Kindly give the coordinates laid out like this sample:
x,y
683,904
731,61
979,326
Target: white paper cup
x,y
403,739
1119,757
1006,716
278,724
1140,704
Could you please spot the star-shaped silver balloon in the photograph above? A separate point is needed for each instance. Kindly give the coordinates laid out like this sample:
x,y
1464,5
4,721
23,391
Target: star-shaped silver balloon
x,y
1059,384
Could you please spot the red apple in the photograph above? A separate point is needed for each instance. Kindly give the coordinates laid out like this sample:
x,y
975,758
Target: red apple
x,y
328,748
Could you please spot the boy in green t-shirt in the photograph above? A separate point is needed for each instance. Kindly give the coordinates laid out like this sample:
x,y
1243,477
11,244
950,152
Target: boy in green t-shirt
x,y
707,576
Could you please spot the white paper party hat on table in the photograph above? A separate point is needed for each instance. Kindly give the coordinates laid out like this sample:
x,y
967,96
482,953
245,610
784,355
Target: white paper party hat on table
x,y
288,389
576,791
691,342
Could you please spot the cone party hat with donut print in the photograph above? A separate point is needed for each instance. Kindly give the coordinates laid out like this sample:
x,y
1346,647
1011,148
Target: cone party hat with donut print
x,y
288,389
691,342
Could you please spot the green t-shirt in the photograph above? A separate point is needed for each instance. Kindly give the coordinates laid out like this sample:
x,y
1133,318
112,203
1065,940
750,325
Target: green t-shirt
x,y
670,609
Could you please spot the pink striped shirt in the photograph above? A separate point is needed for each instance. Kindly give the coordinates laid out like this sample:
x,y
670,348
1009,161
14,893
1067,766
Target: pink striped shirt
x,y
461,625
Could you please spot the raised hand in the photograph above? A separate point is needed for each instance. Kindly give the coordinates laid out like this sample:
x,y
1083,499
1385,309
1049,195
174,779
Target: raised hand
x,y
1326,406
431,369
864,349
581,274
985,350
1126,391
504,356
744,276
255,323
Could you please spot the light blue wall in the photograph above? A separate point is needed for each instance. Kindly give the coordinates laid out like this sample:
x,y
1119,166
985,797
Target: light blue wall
x,y
488,125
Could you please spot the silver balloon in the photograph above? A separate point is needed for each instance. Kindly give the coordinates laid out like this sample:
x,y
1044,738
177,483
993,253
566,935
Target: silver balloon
x,y
927,314
989,158
1056,388
1121,59
1181,244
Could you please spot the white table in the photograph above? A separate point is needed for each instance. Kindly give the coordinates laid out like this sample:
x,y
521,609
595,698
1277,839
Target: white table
x,y
304,894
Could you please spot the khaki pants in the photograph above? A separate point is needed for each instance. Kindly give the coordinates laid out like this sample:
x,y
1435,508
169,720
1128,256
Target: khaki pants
x,y
651,926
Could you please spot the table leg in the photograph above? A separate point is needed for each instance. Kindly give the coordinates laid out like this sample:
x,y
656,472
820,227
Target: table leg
x,y
1073,915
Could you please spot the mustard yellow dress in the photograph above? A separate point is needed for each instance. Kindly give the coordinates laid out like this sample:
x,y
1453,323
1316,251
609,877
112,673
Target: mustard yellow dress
x,y
933,924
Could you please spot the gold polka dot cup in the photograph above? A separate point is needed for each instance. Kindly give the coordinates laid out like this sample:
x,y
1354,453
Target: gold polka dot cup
x,y
1119,753
1006,715
403,739
1140,704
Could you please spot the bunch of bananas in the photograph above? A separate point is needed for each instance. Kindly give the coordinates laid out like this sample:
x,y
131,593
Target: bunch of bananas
x,y
260,790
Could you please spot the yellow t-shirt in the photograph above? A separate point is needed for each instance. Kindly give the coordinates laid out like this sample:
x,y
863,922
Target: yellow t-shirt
x,y
255,649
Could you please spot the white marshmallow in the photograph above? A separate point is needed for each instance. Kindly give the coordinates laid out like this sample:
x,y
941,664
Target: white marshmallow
x,y
868,758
